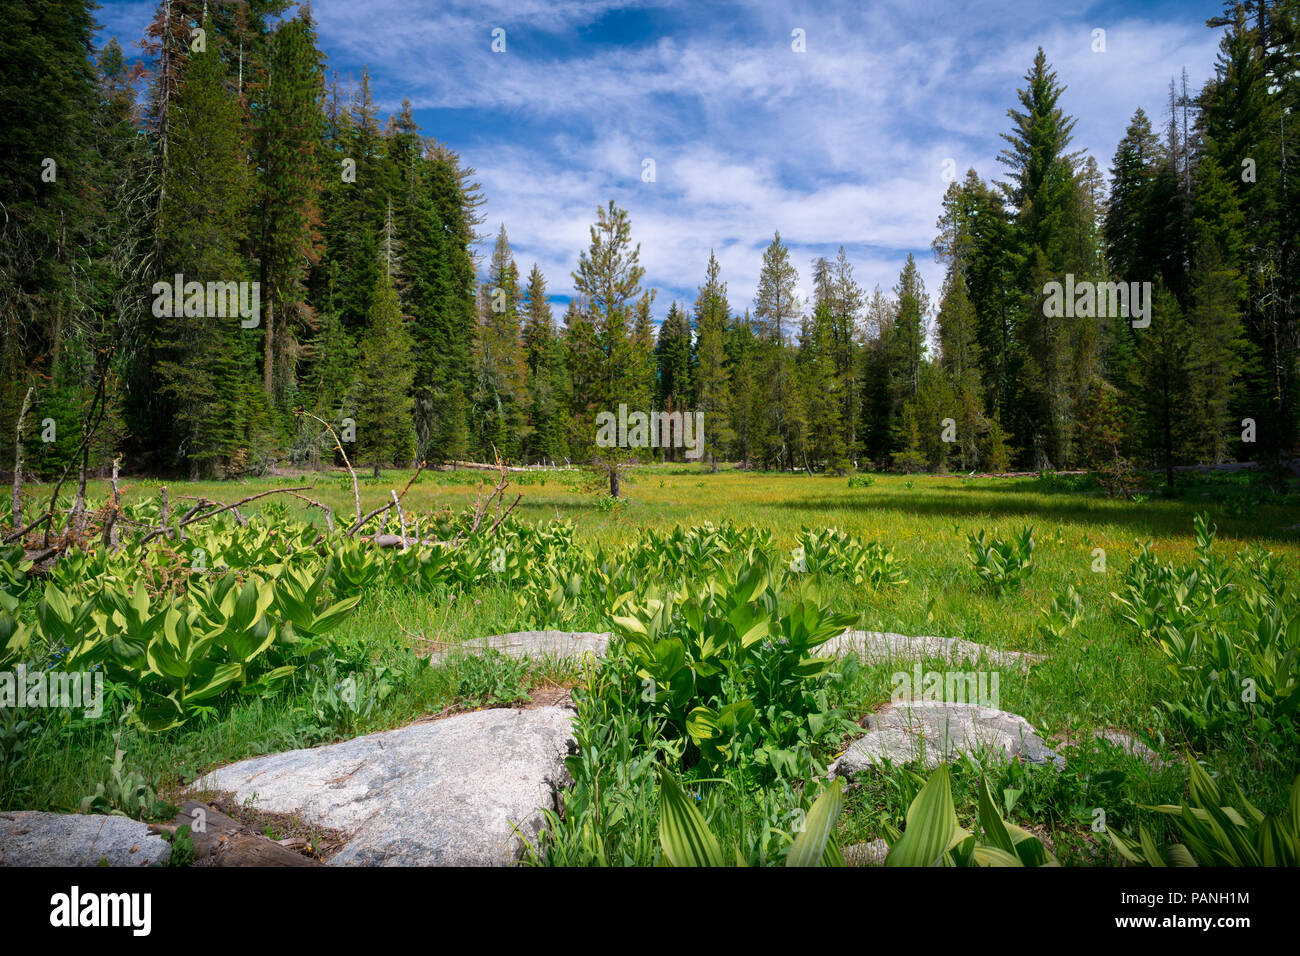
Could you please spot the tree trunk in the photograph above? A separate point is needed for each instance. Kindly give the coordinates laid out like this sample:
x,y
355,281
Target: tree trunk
x,y
270,349
613,481
18,461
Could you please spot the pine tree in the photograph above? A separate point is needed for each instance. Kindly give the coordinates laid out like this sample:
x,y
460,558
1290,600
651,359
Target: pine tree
x,y
383,387
1053,239
355,208
202,365
847,301
904,349
499,400
547,386
1245,125
961,365
1129,229
776,309
821,387
1163,354
675,385
641,380
745,398
713,372
59,271
609,276
583,360
291,141
1217,293
878,409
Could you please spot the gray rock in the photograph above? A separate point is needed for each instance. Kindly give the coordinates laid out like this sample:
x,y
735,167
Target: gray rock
x,y
31,838
931,732
533,644
1130,744
880,646
866,854
440,793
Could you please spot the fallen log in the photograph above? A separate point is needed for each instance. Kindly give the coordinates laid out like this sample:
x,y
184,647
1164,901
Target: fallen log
x,y
485,466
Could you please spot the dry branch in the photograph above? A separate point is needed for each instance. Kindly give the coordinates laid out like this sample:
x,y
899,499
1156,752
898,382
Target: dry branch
x,y
401,518
329,513
115,509
193,516
18,460
356,489
22,532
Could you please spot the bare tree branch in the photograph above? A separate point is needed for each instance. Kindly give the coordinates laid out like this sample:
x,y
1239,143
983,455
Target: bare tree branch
x,y
115,508
356,489
18,459
192,516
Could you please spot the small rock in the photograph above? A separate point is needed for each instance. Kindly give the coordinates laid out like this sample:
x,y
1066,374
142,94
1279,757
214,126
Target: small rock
x,y
533,644
1130,744
878,646
932,732
32,838
866,854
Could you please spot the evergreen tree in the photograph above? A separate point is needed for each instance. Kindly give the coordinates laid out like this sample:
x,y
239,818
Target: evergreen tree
x,y
203,365
383,388
1244,127
57,264
583,360
641,381
547,430
500,402
609,276
776,309
847,301
1128,228
821,387
878,409
1163,354
745,406
713,370
674,361
1053,239
1218,291
960,361
291,140
905,349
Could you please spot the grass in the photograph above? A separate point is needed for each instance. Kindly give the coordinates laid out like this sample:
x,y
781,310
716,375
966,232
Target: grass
x,y
1096,676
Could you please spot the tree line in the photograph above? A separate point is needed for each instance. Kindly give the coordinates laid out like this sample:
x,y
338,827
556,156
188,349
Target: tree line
x,y
244,161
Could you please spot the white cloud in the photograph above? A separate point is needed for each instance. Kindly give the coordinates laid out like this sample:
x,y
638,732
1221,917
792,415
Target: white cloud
x,y
842,144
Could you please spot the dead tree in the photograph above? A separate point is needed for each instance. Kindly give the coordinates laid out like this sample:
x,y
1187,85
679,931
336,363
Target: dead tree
x,y
18,461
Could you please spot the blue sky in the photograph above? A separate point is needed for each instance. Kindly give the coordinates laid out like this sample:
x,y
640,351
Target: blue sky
x,y
841,144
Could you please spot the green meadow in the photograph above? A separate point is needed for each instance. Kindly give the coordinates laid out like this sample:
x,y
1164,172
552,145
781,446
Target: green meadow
x,y
1099,672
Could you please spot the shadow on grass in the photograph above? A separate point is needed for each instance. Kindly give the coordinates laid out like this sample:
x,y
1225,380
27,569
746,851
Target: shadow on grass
x,y
1165,517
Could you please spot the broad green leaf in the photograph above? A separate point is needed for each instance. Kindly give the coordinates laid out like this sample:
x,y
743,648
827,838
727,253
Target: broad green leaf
x,y
221,678
684,837
931,825
992,827
335,614
810,844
